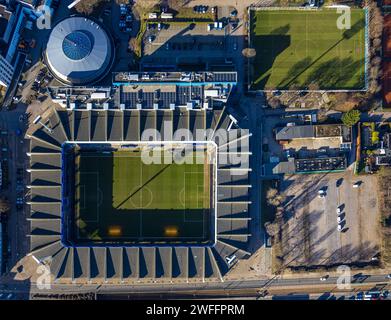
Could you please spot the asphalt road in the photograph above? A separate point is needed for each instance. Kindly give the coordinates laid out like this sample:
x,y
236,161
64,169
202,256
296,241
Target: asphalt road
x,y
16,224
226,288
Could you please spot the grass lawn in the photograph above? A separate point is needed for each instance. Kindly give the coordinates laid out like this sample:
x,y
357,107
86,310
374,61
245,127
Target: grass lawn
x,y
299,48
119,197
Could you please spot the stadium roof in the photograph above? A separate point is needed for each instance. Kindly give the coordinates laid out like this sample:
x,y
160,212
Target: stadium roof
x,y
79,51
133,263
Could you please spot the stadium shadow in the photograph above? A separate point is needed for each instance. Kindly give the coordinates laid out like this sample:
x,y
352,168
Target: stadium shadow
x,y
335,73
346,35
135,225
263,63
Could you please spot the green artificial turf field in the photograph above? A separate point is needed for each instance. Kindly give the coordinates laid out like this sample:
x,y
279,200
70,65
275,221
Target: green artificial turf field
x,y
296,48
120,198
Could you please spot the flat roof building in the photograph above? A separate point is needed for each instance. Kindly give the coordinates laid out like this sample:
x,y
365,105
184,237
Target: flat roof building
x,y
6,72
314,132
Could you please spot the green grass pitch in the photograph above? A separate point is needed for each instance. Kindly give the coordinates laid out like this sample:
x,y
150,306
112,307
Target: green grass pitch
x,y
296,48
120,198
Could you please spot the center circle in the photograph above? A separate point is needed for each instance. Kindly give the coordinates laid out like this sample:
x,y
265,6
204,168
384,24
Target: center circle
x,y
77,45
146,197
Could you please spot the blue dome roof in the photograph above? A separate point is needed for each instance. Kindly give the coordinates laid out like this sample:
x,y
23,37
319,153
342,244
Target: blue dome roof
x,y
79,51
77,45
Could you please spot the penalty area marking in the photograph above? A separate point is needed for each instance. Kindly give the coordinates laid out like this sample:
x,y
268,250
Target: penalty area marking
x,y
96,174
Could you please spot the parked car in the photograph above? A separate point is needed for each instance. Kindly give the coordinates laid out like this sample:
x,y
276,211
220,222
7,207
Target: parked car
x,y
321,193
200,9
324,278
356,184
234,13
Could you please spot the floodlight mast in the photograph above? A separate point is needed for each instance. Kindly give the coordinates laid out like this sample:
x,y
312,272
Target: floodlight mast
x,y
73,4
37,120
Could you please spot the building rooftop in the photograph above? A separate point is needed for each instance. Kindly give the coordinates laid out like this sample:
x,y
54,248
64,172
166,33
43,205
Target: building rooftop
x,y
79,51
314,131
142,262
321,164
4,18
137,91
309,165
295,132
192,78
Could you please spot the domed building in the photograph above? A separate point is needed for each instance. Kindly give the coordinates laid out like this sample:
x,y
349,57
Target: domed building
x,y
79,51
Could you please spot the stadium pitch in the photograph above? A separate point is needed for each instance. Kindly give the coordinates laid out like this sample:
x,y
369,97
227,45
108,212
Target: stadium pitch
x,y
120,198
297,48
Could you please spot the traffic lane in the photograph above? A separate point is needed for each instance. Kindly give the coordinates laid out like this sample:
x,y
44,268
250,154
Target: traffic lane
x,y
253,284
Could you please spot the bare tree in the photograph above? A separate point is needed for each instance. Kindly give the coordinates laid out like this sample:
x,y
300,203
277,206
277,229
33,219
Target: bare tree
x,y
88,6
249,52
271,228
274,102
132,43
376,43
274,198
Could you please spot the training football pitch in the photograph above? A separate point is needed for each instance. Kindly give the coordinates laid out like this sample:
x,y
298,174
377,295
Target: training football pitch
x,y
121,197
299,48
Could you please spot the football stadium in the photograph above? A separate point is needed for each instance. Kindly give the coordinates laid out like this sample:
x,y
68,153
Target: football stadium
x,y
107,204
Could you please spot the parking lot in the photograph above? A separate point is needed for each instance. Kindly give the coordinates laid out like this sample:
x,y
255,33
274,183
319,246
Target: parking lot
x,y
309,234
187,42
